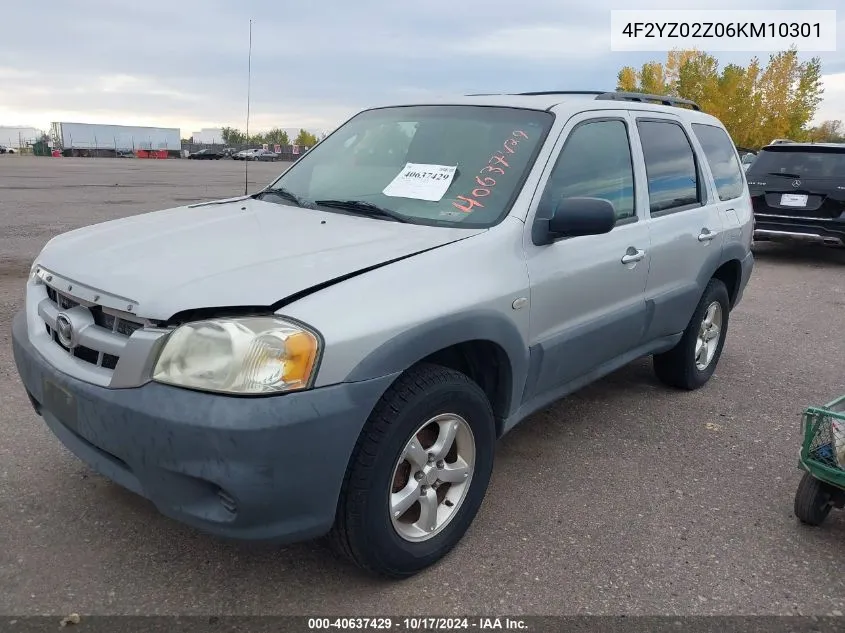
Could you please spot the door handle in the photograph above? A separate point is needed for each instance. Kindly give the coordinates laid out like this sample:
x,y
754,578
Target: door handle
x,y
706,235
632,256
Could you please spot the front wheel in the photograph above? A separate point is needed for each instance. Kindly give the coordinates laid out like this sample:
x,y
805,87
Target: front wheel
x,y
418,474
691,363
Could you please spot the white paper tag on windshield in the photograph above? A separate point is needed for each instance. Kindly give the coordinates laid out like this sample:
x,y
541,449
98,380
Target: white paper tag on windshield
x,y
421,182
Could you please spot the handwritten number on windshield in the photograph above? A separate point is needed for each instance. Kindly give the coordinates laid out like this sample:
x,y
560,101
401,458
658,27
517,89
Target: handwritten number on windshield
x,y
495,165
470,203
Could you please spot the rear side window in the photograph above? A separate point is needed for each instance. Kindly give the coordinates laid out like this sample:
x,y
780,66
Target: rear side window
x,y
720,154
670,166
800,162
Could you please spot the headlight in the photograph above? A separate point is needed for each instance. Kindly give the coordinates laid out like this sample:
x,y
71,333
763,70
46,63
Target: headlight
x,y
250,355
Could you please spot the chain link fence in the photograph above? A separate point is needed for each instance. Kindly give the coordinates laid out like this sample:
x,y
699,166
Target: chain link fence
x,y
288,153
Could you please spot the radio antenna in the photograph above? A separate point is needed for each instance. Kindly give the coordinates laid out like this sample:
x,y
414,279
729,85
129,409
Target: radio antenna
x,y
248,87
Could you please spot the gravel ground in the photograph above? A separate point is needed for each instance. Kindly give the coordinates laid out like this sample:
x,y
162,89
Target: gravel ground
x,y
624,498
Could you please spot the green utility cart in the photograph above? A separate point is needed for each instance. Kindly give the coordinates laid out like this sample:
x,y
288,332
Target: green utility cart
x,y
823,460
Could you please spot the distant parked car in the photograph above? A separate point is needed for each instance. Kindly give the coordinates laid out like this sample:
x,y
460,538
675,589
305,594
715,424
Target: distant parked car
x,y
206,154
229,152
6,150
124,153
798,193
244,154
263,155
256,154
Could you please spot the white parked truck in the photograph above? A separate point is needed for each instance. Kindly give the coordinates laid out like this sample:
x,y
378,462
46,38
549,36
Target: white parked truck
x,y
92,136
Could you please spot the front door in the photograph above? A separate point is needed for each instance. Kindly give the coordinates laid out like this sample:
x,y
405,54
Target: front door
x,y
587,293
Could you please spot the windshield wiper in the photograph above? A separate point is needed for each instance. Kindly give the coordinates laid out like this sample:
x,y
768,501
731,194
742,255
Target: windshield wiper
x,y
287,194
363,208
784,174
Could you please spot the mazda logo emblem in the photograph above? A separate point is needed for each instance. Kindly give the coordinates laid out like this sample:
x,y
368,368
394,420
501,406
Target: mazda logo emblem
x,y
64,330
796,183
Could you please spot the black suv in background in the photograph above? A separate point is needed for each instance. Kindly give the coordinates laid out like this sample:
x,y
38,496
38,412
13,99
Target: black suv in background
x,y
798,193
206,154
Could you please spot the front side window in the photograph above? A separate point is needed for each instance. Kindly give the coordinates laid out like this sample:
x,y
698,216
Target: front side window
x,y
670,166
595,162
437,165
721,157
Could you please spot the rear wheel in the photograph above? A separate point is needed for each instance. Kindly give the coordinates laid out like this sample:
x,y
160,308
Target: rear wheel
x,y
418,474
691,363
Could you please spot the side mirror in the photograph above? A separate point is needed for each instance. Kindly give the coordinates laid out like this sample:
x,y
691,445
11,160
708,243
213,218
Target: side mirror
x,y
574,217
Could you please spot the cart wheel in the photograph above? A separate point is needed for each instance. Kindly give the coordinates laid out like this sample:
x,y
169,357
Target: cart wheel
x,y
812,500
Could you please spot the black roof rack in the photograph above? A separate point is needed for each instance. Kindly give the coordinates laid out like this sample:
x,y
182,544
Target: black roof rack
x,y
538,93
604,95
644,98
560,92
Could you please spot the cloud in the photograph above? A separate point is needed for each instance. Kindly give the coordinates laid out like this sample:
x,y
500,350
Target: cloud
x,y
183,63
128,84
833,106
549,44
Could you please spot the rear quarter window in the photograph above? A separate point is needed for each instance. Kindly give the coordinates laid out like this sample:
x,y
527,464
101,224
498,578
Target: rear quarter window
x,y
722,159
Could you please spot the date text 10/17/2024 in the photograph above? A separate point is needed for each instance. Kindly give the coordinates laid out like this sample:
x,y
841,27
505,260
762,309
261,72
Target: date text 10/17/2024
x,y
417,624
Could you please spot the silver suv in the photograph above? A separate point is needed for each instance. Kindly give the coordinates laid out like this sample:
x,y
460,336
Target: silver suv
x,y
338,353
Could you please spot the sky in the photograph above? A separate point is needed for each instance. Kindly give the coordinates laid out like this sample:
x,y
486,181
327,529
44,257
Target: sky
x,y
183,63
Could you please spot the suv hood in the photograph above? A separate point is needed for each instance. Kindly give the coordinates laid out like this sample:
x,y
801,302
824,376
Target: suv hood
x,y
238,252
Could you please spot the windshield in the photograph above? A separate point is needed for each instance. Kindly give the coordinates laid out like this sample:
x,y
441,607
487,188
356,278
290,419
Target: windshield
x,y
438,165
800,162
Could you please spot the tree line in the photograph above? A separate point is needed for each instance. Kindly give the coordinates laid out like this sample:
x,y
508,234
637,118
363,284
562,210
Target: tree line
x,y
757,103
276,136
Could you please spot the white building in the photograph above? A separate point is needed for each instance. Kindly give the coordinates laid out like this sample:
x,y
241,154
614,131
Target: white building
x,y
19,136
210,136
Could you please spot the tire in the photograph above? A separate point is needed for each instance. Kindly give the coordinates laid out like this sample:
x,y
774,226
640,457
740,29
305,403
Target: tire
x,y
813,500
678,367
366,530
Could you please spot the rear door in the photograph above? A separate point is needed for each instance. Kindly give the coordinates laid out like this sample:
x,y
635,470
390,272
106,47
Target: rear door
x,y
685,221
734,203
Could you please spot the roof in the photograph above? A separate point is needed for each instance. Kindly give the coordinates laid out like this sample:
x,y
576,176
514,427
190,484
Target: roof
x,y
561,101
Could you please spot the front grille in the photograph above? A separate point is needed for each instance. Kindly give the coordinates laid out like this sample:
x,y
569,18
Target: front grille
x,y
111,328
64,302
